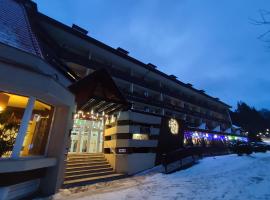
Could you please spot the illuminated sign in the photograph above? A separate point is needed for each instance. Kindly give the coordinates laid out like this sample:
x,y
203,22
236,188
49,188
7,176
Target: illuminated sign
x,y
122,150
174,126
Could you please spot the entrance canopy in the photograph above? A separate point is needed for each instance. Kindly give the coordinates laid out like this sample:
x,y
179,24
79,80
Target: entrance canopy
x,y
98,92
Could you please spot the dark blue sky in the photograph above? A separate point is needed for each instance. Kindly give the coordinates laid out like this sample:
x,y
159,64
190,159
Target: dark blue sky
x,y
211,44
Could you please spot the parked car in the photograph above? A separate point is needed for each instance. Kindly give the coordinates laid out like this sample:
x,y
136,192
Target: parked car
x,y
241,148
260,146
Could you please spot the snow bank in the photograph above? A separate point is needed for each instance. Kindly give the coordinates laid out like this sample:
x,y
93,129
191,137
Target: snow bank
x,y
224,177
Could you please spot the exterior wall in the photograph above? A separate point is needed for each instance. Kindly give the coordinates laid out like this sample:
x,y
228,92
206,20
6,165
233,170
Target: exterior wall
x,y
132,161
166,95
26,82
58,148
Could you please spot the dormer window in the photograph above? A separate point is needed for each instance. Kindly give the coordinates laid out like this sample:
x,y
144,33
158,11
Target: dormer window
x,y
146,93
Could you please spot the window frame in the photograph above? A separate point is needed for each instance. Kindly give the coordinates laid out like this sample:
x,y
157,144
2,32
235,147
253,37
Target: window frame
x,y
15,154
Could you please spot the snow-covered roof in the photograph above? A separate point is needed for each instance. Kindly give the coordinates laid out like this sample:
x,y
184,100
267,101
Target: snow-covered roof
x,y
217,129
202,126
236,127
15,29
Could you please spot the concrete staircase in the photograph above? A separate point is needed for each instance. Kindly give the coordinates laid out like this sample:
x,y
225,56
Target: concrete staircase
x,y
88,168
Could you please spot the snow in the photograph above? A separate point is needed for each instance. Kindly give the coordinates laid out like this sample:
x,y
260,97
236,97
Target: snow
x,y
224,177
266,140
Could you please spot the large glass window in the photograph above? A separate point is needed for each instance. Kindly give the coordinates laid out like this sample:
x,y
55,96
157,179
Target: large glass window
x,y
38,130
12,110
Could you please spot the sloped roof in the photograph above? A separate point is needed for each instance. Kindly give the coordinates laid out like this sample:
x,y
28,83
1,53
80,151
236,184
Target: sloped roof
x,y
15,29
98,92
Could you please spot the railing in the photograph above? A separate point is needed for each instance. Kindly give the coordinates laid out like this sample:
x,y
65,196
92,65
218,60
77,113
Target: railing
x,y
140,81
166,90
141,98
177,159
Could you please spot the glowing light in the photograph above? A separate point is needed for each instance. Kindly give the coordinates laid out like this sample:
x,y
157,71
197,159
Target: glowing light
x,y
1,109
139,136
215,136
71,75
174,126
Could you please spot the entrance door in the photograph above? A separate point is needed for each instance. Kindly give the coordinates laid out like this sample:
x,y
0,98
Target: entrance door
x,y
87,136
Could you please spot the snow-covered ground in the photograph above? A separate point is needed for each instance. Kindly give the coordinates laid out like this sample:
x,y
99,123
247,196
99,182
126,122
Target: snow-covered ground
x,y
223,177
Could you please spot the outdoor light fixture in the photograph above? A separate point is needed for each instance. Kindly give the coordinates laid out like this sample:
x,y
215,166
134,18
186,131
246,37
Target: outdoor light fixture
x,y
174,126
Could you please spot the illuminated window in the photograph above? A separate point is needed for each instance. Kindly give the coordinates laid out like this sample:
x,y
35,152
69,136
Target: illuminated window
x,y
24,125
38,130
12,108
138,136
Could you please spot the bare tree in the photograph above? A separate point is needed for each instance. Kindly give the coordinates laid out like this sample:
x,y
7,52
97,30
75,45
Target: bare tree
x,y
264,20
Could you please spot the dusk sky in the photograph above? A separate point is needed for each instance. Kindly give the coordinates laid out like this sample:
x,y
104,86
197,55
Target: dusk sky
x,y
211,44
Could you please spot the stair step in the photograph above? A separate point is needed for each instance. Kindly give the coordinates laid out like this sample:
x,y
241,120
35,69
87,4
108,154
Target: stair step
x,y
85,157
87,175
92,180
85,161
86,164
76,172
88,167
85,154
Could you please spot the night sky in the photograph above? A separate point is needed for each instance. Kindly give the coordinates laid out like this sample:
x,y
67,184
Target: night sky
x,y
211,44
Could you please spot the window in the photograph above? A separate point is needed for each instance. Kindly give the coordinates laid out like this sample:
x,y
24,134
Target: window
x,y
12,108
146,109
139,136
38,130
145,93
24,125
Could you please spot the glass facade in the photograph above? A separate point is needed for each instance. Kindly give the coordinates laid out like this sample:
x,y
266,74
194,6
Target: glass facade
x,y
12,110
87,135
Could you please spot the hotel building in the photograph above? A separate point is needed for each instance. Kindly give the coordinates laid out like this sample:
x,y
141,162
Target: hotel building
x,y
74,110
